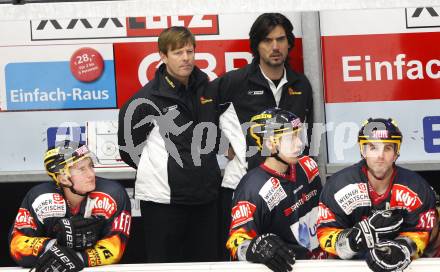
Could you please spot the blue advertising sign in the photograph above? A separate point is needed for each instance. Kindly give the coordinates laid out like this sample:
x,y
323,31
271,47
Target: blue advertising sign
x,y
431,132
51,85
58,134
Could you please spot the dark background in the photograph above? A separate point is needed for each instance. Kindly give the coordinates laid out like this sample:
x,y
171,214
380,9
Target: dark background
x,y
13,193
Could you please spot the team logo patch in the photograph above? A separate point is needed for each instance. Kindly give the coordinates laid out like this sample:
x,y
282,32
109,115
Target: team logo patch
x,y
310,167
204,100
103,205
352,196
242,213
404,198
49,205
292,91
325,215
426,220
24,219
272,192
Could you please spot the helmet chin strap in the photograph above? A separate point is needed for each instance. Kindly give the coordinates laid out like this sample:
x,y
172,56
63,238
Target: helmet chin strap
x,y
72,189
278,158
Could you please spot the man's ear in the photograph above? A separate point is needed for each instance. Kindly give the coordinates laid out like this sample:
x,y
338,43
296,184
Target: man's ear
x,y
271,143
63,179
163,57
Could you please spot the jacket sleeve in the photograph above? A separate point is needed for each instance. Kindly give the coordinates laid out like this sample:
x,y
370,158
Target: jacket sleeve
x,y
309,116
419,223
27,237
331,219
246,222
134,125
110,249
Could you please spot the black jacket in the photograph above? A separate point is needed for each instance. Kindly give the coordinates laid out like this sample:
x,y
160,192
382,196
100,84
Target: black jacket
x,y
245,92
174,156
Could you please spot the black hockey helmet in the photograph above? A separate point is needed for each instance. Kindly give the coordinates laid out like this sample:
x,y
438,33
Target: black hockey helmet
x,y
58,159
380,130
273,122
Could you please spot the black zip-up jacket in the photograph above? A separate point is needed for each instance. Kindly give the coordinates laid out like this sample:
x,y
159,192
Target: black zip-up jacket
x,y
250,94
161,135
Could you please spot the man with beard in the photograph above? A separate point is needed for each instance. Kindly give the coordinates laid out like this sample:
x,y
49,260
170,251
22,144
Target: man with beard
x,y
375,209
267,82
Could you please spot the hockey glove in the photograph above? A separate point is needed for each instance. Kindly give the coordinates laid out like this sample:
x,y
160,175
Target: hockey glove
x,y
271,251
78,232
389,255
60,259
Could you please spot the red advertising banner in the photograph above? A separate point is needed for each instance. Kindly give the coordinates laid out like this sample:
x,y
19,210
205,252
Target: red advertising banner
x,y
136,63
381,67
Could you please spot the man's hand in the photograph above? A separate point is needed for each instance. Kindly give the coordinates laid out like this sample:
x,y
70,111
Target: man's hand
x,y
270,250
59,259
78,232
389,256
365,234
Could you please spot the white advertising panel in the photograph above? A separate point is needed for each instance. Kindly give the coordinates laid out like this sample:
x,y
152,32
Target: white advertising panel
x,y
58,75
381,64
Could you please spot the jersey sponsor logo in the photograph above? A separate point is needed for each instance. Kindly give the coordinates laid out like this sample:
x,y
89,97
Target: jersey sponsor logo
x,y
352,196
310,167
298,189
304,198
426,220
122,223
272,192
305,230
24,219
380,134
104,204
404,198
242,213
49,205
325,215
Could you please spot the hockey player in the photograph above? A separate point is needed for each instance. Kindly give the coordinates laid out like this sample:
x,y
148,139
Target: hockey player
x,y
76,221
375,209
275,205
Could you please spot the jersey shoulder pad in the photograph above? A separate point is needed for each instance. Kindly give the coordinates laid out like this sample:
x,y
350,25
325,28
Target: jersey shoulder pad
x,y
310,167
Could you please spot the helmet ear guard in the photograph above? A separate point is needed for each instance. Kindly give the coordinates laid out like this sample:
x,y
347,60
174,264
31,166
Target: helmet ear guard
x,y
380,130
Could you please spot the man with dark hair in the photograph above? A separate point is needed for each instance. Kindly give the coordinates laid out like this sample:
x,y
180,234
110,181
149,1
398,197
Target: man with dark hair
x,y
267,82
375,209
162,135
78,220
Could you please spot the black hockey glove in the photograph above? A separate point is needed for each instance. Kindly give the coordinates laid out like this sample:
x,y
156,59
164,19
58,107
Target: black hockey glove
x,y
59,259
389,255
271,251
78,232
365,234
380,225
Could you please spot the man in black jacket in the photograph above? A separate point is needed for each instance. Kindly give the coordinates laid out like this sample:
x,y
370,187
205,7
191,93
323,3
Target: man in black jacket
x,y
168,132
267,82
